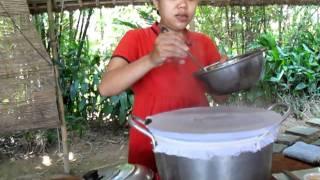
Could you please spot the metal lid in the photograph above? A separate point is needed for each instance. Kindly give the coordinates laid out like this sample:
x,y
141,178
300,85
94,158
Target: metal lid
x,y
121,172
213,123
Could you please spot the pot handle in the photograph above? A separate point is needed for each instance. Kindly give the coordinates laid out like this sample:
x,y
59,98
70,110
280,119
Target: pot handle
x,y
133,122
286,113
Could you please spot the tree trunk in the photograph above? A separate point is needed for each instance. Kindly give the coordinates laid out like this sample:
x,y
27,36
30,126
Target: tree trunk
x,y
82,23
243,28
280,17
41,29
70,25
101,25
247,28
84,34
227,25
264,20
78,23
60,24
234,31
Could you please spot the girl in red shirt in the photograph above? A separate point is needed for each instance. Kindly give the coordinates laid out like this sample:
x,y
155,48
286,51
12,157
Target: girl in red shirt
x,y
156,66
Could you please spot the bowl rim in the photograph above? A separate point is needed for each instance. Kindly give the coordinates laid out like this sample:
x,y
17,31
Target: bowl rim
x,y
307,175
229,62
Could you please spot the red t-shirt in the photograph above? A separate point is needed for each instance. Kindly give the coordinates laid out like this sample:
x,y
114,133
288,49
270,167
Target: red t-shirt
x,y
171,85
167,87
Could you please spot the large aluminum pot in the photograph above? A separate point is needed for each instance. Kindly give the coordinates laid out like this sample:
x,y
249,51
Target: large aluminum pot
x,y
239,73
245,166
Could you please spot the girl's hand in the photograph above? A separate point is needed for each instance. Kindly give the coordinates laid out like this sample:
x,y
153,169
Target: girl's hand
x,y
224,58
168,45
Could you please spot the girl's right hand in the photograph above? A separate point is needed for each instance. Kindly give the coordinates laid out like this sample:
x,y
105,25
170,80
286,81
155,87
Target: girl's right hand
x,y
168,45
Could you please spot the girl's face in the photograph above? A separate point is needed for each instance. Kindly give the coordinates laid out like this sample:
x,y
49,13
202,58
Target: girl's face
x,y
176,14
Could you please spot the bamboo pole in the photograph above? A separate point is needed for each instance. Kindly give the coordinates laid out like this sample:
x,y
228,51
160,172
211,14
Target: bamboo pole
x,y
53,43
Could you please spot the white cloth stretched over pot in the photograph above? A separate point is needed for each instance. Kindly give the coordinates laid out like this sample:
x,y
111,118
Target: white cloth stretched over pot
x,y
206,150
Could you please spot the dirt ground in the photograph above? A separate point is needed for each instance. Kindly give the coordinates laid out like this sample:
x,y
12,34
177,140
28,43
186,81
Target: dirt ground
x,y
94,150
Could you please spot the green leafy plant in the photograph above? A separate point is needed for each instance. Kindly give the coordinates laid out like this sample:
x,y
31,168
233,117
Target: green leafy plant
x,y
293,71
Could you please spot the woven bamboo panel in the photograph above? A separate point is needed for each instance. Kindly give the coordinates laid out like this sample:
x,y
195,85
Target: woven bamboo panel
x,y
27,93
15,7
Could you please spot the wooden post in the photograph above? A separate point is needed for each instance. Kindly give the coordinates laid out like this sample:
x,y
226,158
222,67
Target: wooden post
x,y
53,43
80,3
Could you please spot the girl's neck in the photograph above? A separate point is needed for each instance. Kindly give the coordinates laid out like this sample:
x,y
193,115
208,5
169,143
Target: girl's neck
x,y
164,28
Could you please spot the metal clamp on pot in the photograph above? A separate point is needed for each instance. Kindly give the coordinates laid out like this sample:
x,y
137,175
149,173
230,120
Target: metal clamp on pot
x,y
133,123
286,113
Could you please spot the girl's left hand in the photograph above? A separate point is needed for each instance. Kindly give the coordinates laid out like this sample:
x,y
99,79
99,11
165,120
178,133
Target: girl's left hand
x,y
223,58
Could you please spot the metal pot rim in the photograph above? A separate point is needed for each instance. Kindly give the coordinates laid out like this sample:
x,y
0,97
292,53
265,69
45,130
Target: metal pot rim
x,y
141,125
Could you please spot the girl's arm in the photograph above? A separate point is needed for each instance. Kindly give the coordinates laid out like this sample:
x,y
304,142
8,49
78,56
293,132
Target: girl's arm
x,y
120,74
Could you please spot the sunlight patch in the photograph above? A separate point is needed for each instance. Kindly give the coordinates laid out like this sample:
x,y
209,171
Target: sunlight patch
x,y
46,160
71,157
38,167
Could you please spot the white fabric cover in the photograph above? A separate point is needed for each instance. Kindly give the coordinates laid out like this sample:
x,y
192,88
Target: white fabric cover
x,y
207,150
205,132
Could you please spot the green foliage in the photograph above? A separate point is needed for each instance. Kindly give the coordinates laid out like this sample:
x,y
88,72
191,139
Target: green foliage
x,y
291,35
118,106
292,67
126,23
145,13
79,79
80,72
235,28
80,76
293,72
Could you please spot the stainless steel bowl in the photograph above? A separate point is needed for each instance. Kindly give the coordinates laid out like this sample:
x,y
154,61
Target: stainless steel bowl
x,y
239,73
